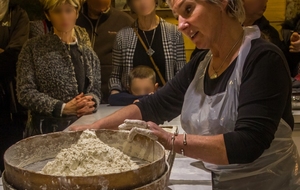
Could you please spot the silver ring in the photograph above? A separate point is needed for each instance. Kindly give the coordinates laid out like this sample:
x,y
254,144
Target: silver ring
x,y
148,126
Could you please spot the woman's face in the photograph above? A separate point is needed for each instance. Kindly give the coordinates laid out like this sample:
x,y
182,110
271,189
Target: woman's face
x,y
200,21
255,7
63,17
143,7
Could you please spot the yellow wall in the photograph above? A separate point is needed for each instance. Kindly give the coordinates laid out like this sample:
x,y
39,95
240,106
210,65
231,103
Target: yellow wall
x,y
275,13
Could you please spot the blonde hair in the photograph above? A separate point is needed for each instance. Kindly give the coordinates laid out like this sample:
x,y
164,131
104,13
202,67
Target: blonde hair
x,y
142,72
234,9
52,4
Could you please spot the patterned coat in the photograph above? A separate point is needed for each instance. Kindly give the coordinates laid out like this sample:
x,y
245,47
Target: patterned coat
x,y
46,76
124,49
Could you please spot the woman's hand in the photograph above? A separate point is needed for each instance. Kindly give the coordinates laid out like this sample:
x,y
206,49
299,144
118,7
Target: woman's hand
x,y
148,129
163,136
71,107
85,105
80,105
295,43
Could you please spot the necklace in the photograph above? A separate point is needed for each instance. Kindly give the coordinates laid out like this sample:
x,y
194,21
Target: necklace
x,y
150,51
71,43
74,41
215,75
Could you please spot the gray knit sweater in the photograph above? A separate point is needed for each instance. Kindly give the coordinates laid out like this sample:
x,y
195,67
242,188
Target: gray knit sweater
x,y
46,76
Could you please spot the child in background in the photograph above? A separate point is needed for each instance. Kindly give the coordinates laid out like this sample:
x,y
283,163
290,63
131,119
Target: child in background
x,y
142,82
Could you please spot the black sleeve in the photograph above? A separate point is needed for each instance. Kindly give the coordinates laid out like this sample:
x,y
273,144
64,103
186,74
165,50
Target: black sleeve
x,y
8,60
293,60
19,32
166,103
57,109
263,99
122,99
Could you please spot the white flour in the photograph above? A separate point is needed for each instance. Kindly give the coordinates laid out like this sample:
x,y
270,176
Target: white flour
x,y
89,156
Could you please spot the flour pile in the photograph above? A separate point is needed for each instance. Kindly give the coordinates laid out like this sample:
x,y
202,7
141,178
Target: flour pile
x,y
89,156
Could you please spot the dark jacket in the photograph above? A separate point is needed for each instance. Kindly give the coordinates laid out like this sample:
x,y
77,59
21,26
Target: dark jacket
x,y
14,31
103,37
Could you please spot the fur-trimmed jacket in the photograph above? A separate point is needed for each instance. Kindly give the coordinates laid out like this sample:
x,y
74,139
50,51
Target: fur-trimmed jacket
x,y
46,76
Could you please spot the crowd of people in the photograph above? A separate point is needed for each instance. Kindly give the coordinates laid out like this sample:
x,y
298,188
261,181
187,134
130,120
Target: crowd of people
x,y
86,52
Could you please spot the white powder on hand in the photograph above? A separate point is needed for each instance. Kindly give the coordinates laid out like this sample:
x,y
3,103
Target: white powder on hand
x,y
89,156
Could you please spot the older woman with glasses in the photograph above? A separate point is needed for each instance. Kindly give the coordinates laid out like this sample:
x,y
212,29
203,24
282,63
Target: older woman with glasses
x,y
58,74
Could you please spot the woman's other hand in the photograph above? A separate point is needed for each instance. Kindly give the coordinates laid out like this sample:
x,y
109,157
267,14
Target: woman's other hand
x,y
295,42
85,105
163,136
148,129
71,107
80,105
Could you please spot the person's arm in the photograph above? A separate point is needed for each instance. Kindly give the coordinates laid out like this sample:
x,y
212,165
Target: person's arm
x,y
209,149
113,120
180,52
114,83
19,35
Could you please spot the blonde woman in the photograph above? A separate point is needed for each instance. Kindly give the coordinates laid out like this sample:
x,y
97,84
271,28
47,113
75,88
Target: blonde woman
x,y
58,74
236,114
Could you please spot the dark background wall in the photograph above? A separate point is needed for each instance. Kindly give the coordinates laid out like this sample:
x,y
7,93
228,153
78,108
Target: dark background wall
x,y
32,7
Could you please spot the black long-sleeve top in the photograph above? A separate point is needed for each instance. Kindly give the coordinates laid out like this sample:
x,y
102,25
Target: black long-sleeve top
x,y
264,98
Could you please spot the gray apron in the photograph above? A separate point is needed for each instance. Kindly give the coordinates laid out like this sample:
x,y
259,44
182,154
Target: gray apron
x,y
276,169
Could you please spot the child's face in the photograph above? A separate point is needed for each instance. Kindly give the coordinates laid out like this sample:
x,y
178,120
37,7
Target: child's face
x,y
139,87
